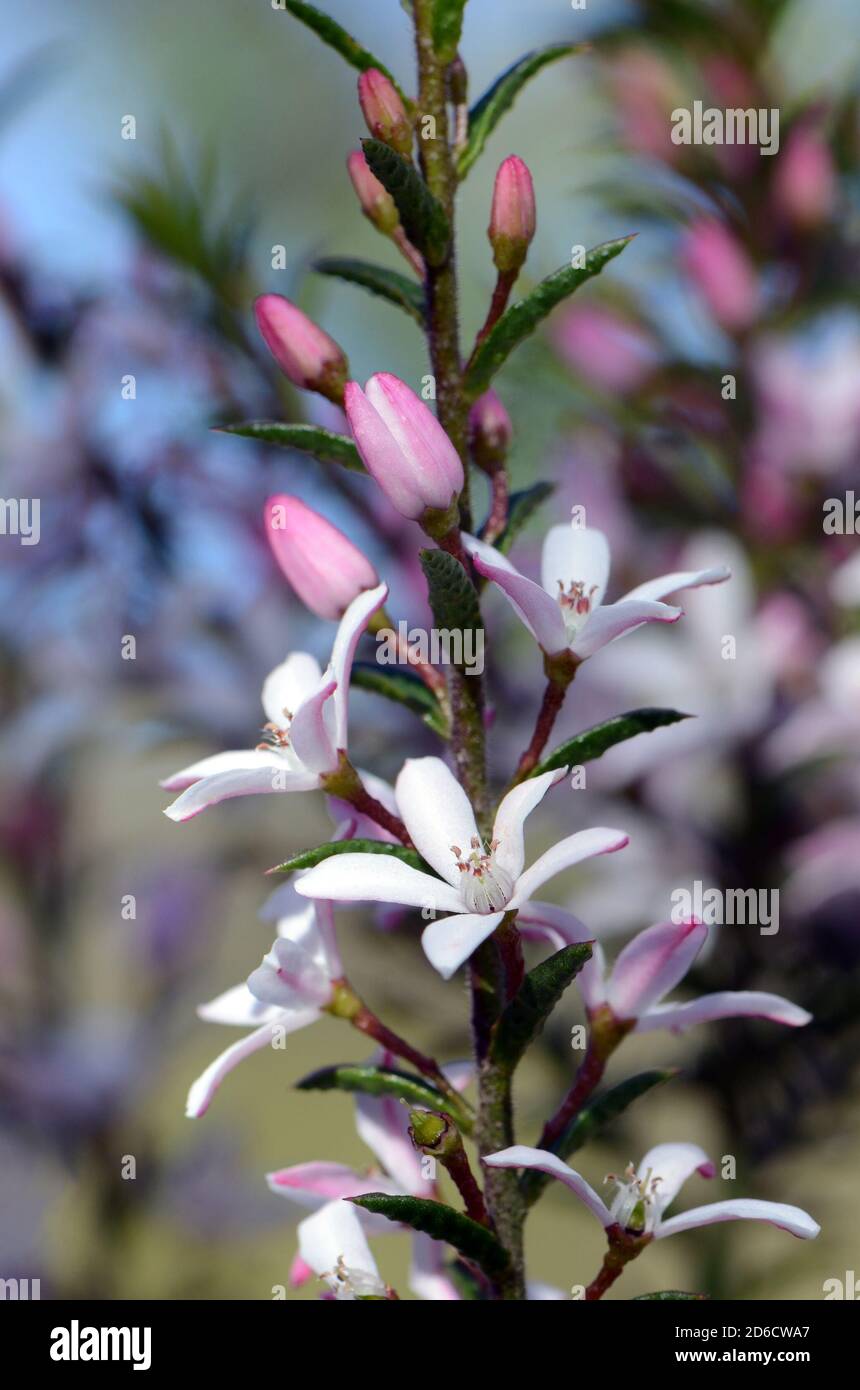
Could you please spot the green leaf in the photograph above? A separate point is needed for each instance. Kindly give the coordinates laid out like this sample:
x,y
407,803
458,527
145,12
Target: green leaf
x,y
592,1118
593,742
383,1081
447,28
441,1222
308,857
423,217
310,439
521,319
404,689
524,1017
337,38
521,508
486,113
453,597
388,284
665,1295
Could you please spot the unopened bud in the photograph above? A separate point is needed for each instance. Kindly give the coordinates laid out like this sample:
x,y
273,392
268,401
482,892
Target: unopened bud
x,y
513,217
432,1132
326,570
376,202
384,111
490,431
303,351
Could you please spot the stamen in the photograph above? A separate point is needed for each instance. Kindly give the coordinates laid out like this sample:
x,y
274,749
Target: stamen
x,y
487,887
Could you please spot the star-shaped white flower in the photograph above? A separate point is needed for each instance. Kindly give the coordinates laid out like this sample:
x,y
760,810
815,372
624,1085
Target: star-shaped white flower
x,y
647,969
566,612
478,883
306,730
643,1195
287,992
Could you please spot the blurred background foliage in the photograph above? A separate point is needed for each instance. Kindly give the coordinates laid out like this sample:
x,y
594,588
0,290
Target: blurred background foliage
x,y
142,257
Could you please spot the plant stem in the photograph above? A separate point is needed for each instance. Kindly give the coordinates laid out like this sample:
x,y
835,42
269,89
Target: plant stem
x,y
366,1021
560,673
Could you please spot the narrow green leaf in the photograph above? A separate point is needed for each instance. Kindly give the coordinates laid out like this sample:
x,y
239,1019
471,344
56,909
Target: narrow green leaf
x,y
442,1223
308,857
593,742
453,597
447,28
387,284
310,439
593,1118
521,320
404,689
384,1081
521,509
486,113
422,216
528,1011
665,1295
337,38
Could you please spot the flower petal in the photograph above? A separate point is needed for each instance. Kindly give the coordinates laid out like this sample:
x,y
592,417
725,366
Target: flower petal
x,y
234,761
288,685
652,964
673,1164
428,1276
451,940
350,628
377,878
531,603
539,921
310,739
611,620
290,978
742,1003
511,815
333,1234
237,1007
249,781
311,1184
575,555
521,1156
585,844
203,1089
667,584
437,814
792,1219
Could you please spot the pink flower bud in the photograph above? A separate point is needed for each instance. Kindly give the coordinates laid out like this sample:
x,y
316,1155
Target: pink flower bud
x,y
377,203
512,220
805,181
304,353
403,445
384,111
326,570
490,430
722,272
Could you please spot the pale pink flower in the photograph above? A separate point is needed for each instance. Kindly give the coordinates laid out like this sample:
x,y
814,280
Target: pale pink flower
x,y
513,216
383,109
403,446
326,570
304,352
722,272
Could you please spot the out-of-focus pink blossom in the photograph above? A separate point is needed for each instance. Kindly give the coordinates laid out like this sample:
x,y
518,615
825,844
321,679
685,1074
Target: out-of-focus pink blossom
x,y
606,349
490,429
644,92
804,187
403,445
326,570
722,273
809,405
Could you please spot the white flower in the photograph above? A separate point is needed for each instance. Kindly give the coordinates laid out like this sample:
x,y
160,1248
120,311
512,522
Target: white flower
x,y
566,612
306,730
643,1195
287,992
478,882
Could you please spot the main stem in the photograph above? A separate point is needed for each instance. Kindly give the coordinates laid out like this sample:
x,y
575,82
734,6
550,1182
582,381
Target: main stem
x,y
495,1126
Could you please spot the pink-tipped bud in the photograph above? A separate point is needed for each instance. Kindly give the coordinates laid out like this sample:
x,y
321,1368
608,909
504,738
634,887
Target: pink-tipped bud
x,y
377,203
513,217
723,273
384,111
490,431
805,179
326,570
403,446
304,352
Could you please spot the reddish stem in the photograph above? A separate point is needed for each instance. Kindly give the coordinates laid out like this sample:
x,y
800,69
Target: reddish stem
x,y
457,1164
553,699
367,1022
498,304
369,806
587,1078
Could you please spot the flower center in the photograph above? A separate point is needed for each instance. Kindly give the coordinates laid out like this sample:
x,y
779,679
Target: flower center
x,y
350,1283
575,603
276,736
486,886
633,1206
